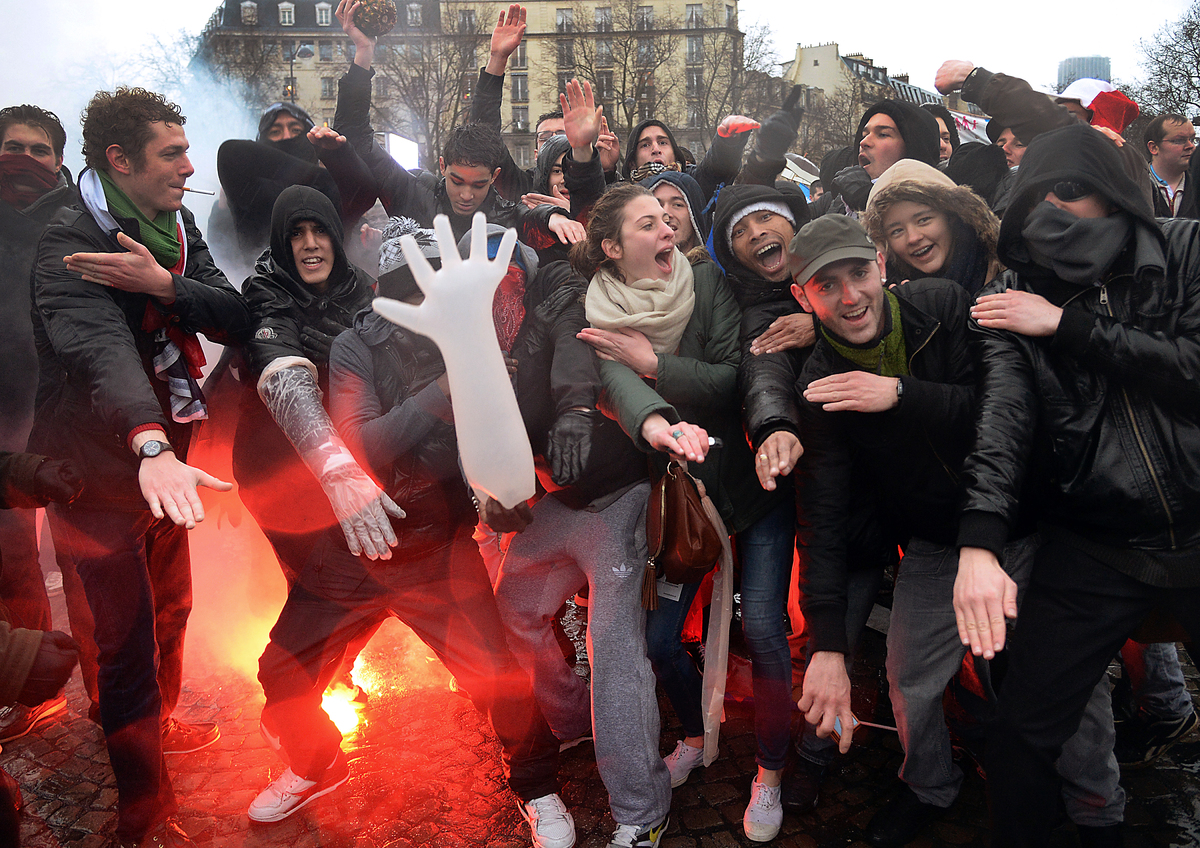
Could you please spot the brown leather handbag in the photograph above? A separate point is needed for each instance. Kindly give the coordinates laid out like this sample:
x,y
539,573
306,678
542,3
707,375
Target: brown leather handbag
x,y
683,543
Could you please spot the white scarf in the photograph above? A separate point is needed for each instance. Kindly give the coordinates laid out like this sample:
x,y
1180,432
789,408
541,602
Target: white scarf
x,y
659,309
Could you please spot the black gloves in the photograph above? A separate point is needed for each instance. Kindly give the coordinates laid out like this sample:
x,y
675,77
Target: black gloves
x,y
853,183
569,445
55,660
57,480
778,132
316,340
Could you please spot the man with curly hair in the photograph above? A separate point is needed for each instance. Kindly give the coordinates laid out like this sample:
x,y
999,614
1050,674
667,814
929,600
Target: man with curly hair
x,y
122,284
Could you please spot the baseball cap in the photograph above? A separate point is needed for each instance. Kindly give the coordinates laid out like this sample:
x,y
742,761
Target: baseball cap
x,y
828,239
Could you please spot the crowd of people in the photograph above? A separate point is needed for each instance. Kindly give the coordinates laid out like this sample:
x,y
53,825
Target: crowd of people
x,y
967,368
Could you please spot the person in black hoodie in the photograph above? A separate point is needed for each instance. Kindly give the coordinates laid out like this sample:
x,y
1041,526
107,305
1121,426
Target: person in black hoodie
x,y
889,131
652,148
302,295
1088,346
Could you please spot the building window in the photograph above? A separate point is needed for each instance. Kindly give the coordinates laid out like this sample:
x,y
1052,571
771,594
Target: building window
x,y
604,53
383,88
604,87
645,18
467,85
466,20
695,49
693,116
325,51
520,118
564,77
566,53
287,14
287,50
524,156
816,62
695,82
731,16
414,15
324,14
645,51
328,88
518,59
693,17
520,88
604,19
249,13
289,88
564,20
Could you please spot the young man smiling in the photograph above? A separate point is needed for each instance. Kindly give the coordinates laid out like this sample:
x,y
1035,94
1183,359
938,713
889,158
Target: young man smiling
x,y
121,286
887,413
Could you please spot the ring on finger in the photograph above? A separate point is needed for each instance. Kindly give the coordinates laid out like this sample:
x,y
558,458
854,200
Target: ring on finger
x,y
762,457
676,434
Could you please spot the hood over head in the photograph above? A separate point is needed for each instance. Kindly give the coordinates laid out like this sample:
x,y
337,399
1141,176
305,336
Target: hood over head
x,y
692,193
731,205
523,255
920,183
1078,153
917,127
979,166
681,156
549,153
940,111
300,146
301,203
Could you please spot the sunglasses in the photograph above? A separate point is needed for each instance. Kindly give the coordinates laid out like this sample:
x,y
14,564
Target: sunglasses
x,y
1068,190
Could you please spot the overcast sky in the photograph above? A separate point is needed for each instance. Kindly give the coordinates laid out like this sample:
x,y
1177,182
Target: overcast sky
x,y
57,52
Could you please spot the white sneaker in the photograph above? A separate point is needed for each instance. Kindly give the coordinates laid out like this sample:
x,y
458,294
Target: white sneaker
x,y
681,761
549,822
764,814
289,792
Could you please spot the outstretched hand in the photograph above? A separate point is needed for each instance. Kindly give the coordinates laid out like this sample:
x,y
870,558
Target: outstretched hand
x,y
581,118
608,146
509,31
735,125
326,138
136,271
169,487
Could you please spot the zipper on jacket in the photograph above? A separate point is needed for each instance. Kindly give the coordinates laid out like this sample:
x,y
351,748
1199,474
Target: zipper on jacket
x,y
953,477
1137,434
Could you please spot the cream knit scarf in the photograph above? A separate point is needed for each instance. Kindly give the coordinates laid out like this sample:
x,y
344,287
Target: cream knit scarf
x,y
659,309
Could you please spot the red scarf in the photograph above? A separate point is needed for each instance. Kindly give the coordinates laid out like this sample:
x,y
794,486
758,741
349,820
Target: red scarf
x,y
24,179
508,307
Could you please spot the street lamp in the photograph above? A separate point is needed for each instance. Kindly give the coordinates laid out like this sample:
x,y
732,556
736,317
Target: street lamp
x,y
303,52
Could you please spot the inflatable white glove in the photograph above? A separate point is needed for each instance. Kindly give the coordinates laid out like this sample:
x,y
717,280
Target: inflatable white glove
x,y
457,315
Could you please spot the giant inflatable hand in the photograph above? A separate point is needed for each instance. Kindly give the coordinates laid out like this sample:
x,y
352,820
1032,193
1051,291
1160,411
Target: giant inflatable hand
x,y
457,315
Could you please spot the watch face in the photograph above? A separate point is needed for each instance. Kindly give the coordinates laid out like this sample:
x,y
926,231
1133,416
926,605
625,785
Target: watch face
x,y
152,448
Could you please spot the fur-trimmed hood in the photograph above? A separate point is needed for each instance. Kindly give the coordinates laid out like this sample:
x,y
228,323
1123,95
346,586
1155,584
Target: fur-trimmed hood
x,y
920,183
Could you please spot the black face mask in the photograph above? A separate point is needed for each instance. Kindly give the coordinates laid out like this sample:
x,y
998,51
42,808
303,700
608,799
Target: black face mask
x,y
1077,250
300,147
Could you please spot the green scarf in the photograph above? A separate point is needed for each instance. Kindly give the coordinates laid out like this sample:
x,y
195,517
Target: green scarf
x,y
889,356
160,236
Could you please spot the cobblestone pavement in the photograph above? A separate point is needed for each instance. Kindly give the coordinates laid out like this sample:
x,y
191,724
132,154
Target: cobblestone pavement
x,y
425,770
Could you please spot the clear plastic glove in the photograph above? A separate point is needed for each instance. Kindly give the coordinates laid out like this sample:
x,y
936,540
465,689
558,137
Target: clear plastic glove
x,y
52,667
362,509
57,480
853,183
457,315
569,445
289,391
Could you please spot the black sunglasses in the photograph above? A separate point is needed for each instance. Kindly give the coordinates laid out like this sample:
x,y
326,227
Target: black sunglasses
x,y
1068,190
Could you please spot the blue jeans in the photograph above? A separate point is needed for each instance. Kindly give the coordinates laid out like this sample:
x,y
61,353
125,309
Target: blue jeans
x,y
136,574
764,550
1154,673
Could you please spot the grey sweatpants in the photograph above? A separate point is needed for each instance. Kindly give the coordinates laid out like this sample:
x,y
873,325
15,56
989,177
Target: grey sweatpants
x,y
544,566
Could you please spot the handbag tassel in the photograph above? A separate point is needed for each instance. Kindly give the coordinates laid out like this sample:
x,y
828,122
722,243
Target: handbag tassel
x,y
649,586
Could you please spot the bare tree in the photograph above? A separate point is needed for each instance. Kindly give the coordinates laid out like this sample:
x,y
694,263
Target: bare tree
x,y
831,118
629,56
250,67
425,80
1171,60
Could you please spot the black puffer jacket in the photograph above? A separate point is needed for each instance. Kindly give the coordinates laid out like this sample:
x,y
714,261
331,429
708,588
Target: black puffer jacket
x,y
97,380
901,465
766,382
1114,397
396,421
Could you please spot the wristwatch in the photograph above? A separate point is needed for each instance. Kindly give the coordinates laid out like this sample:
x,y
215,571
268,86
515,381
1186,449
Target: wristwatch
x,y
899,389
153,447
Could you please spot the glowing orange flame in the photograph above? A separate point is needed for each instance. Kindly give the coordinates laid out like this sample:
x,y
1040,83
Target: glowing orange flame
x,y
338,700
